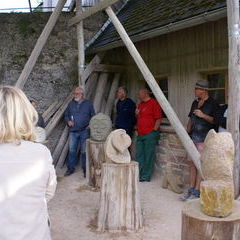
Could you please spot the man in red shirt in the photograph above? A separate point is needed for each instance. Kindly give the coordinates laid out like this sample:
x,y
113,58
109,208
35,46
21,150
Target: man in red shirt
x,y
149,114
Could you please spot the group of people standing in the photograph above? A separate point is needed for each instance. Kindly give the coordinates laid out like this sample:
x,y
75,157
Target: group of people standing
x,y
145,118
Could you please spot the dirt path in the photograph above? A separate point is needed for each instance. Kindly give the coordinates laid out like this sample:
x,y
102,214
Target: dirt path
x,y
74,207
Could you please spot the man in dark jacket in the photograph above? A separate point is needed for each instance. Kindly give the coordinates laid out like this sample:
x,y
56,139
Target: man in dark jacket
x,y
78,115
125,112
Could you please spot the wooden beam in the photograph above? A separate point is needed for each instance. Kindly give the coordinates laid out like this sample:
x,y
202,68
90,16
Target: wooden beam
x,y
92,10
40,44
175,122
234,83
112,94
91,66
102,82
51,110
109,68
81,49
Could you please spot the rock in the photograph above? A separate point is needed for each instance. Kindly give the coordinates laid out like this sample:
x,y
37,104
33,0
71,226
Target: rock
x,y
218,156
116,147
217,198
100,127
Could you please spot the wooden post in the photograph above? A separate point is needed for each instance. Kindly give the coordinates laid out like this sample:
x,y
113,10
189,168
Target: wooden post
x,y
198,226
63,156
112,94
51,110
92,10
40,44
102,82
175,122
120,208
234,84
91,85
81,50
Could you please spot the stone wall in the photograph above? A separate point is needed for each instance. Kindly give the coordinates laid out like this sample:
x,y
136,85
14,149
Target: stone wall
x,y
55,73
171,160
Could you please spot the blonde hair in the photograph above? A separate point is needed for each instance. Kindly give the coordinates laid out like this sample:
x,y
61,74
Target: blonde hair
x,y
17,116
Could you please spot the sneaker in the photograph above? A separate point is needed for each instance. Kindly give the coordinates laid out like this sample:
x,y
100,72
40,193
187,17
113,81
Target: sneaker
x,y
195,195
68,172
186,196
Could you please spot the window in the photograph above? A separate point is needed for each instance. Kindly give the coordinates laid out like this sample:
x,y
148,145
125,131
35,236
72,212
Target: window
x,y
218,85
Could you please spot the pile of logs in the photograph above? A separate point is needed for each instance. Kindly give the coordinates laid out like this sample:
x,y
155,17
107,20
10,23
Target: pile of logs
x,y
102,82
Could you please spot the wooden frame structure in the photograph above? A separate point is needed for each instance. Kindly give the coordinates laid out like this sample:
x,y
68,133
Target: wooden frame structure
x,y
234,70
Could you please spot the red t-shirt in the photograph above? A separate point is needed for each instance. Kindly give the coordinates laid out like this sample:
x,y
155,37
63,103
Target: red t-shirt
x,y
149,112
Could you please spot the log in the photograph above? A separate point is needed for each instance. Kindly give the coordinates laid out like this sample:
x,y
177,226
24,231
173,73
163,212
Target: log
x,y
62,159
102,82
112,94
91,85
120,208
40,44
234,84
58,115
51,110
95,158
81,50
109,68
91,66
198,226
149,78
61,143
92,10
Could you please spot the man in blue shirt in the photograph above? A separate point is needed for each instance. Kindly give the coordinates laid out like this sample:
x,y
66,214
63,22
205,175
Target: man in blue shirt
x,y
125,112
78,115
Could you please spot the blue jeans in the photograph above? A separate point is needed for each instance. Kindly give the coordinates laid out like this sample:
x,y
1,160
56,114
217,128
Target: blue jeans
x,y
77,138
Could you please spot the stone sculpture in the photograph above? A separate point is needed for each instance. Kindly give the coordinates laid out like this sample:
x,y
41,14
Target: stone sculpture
x,y
217,191
116,147
100,127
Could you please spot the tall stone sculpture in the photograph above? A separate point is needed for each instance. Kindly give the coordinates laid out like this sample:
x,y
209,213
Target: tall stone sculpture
x,y
119,208
100,128
216,215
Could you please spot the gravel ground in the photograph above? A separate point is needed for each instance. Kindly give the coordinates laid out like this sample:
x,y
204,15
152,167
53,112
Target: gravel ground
x,y
74,207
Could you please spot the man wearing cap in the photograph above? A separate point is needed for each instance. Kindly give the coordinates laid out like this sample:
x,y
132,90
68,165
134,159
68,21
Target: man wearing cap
x,y
200,122
149,114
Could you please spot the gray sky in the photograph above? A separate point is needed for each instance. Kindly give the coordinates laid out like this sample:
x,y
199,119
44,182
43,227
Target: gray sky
x,y
17,4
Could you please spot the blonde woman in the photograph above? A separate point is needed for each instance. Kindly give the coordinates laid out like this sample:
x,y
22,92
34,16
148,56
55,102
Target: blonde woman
x,y
27,176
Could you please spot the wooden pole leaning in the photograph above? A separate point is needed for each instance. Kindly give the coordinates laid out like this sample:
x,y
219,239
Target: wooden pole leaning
x,y
177,125
81,50
234,84
40,44
92,10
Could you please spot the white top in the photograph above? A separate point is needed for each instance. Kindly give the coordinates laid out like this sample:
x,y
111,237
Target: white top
x,y
27,182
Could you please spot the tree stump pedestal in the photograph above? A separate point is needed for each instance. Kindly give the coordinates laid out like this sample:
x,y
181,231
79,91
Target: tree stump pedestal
x,y
95,158
198,226
120,208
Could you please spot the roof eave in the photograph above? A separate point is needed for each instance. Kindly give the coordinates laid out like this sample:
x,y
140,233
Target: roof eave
x,y
172,27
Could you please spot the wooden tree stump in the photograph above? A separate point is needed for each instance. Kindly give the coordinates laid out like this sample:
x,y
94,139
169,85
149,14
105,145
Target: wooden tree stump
x,y
120,208
198,226
95,158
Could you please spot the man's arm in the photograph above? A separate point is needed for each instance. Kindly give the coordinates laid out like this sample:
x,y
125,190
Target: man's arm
x,y
204,116
67,117
157,124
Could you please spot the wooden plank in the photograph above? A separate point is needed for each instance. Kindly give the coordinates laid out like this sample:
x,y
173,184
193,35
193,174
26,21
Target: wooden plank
x,y
112,95
61,143
81,49
63,156
96,8
177,125
109,68
102,82
234,83
57,117
51,110
91,66
91,85
40,44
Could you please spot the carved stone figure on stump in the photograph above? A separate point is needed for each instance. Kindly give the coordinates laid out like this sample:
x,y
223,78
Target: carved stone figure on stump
x,y
120,208
216,215
100,127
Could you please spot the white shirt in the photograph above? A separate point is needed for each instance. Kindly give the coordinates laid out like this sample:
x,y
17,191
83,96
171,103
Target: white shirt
x,y
27,182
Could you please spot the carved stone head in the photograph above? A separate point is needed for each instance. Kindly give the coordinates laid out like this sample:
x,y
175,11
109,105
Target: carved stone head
x,y
100,127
